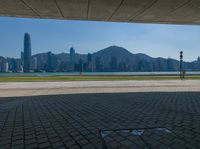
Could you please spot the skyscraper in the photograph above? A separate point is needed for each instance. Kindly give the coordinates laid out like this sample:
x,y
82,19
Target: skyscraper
x,y
49,67
72,55
27,52
72,59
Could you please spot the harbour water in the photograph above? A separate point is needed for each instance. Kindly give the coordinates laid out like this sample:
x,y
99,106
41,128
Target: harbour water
x,y
43,74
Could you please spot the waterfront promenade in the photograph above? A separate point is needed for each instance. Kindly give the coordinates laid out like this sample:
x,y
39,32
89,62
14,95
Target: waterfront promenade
x,y
13,89
71,114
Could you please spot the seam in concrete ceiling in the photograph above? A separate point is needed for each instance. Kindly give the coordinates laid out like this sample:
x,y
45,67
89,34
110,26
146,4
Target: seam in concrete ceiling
x,y
114,12
181,6
34,11
88,9
149,7
58,7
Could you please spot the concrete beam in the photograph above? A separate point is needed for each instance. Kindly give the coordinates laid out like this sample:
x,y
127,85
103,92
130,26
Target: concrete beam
x,y
150,11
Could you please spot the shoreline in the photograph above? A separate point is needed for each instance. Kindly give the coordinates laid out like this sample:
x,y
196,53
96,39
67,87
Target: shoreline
x,y
57,74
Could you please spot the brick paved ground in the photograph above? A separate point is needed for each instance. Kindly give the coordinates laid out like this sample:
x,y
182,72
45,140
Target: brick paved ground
x,y
73,121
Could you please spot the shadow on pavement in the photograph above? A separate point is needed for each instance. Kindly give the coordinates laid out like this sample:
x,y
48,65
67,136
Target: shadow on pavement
x,y
74,120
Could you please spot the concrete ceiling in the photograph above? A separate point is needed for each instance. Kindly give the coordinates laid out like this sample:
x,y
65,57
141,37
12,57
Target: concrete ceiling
x,y
149,11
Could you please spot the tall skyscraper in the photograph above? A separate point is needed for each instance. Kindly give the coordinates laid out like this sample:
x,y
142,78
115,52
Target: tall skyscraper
x,y
72,59
27,52
49,67
72,55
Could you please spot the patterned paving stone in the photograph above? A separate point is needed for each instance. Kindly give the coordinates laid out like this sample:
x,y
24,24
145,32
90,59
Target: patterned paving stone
x,y
74,121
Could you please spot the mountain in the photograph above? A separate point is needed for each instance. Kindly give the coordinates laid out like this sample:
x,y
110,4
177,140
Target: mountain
x,y
140,61
134,62
114,51
122,55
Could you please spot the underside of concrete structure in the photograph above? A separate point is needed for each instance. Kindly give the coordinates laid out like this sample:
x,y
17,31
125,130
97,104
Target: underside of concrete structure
x,y
149,11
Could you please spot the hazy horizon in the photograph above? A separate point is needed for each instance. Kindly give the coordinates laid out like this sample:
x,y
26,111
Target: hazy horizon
x,y
57,36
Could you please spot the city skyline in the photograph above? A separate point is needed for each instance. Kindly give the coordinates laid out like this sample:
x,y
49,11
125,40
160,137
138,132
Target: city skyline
x,y
110,59
156,40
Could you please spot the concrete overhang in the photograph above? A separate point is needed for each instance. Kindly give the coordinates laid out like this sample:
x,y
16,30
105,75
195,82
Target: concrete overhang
x,y
149,11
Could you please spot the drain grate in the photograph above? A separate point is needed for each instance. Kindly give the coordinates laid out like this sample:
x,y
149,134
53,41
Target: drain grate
x,y
143,138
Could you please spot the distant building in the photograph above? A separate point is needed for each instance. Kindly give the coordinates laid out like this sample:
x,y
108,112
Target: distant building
x,y
72,55
80,64
62,67
89,57
22,58
198,64
98,64
13,65
35,64
89,62
5,67
21,69
49,67
27,53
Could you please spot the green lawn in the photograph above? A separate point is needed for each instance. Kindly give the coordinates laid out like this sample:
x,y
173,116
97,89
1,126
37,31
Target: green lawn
x,y
92,78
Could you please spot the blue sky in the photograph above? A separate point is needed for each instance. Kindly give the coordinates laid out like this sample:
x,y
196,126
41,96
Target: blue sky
x,y
58,36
